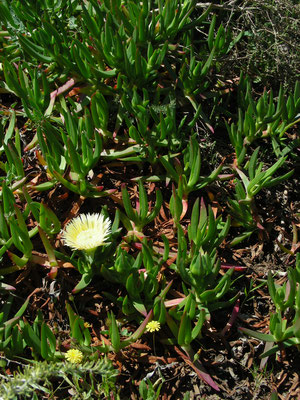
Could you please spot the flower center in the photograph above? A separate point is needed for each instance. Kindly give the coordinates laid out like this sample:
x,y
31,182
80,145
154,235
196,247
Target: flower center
x,y
86,239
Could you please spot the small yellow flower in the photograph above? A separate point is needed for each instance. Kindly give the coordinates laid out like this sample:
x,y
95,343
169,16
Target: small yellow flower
x,y
74,356
153,326
87,325
86,232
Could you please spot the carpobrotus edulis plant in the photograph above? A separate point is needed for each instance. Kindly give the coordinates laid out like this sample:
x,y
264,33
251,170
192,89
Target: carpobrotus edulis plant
x,y
87,232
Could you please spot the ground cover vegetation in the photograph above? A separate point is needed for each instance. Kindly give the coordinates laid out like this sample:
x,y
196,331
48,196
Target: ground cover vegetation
x,y
149,204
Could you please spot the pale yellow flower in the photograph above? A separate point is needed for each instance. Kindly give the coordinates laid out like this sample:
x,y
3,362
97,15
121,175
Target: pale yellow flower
x,y
74,356
87,325
86,232
153,326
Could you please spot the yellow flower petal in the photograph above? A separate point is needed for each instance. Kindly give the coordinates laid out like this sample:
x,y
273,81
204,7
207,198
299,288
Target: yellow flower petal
x,y
153,326
74,356
86,232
